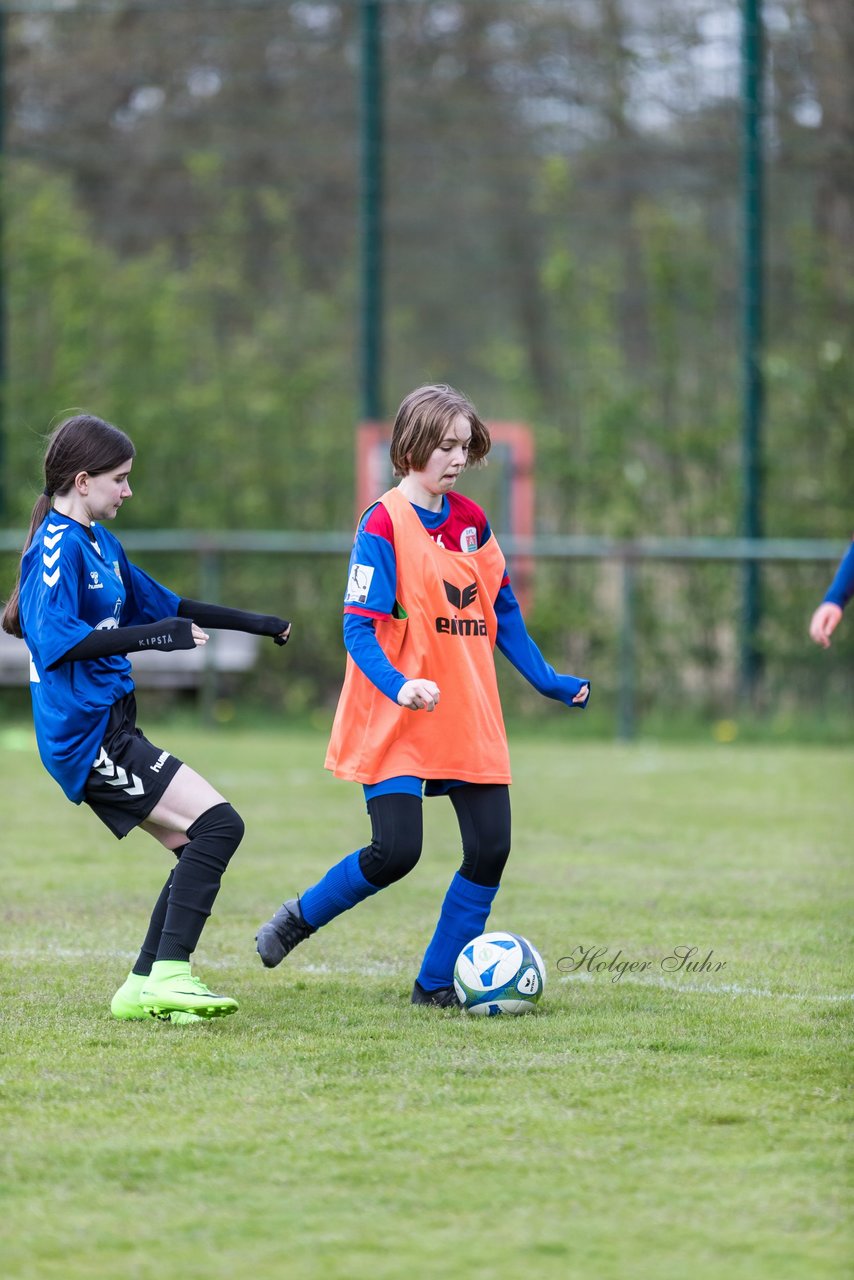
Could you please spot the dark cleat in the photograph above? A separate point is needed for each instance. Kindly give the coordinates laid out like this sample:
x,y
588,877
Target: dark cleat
x,y
280,935
442,997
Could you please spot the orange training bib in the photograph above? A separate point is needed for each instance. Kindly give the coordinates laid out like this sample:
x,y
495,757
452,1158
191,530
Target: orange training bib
x,y
447,635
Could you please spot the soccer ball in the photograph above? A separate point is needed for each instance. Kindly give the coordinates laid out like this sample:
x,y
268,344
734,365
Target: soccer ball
x,y
499,973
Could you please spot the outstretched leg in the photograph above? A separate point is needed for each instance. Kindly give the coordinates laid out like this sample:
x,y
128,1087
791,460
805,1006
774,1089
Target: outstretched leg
x,y
396,830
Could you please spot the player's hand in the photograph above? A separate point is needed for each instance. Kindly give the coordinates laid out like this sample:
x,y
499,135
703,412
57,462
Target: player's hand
x,y
282,637
582,693
419,694
200,637
824,622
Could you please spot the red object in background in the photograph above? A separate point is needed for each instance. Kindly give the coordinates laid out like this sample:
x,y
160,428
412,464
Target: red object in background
x,y
374,476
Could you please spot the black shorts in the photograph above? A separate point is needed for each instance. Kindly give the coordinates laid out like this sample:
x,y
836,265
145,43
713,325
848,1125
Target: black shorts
x,y
130,774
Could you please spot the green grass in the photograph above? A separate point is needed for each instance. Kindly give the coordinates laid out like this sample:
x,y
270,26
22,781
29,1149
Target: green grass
x,y
669,1125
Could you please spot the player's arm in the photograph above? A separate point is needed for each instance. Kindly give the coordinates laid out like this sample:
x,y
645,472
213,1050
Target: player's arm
x,y
519,649
221,618
165,635
370,596
828,615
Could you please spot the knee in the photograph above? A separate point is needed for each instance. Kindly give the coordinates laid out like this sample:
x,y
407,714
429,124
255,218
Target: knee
x,y
485,863
221,828
386,860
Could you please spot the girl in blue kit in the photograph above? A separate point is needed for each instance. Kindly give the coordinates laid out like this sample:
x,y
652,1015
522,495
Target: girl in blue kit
x,y
427,598
82,607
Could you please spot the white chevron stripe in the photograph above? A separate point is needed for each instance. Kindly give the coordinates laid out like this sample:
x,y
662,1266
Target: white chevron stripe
x,y
54,528
50,561
50,543
52,579
104,765
106,768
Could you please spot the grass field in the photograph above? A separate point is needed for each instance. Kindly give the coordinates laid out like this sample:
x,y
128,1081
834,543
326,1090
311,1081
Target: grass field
x,y
660,1123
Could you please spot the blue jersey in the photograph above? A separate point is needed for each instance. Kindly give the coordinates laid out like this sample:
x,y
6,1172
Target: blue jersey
x,y
73,581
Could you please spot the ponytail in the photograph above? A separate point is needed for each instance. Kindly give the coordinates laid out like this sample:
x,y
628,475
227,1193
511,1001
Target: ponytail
x,y
11,621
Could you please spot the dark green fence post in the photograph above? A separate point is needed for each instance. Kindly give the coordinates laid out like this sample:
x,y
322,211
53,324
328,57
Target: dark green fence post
x,y
626,716
752,334
371,210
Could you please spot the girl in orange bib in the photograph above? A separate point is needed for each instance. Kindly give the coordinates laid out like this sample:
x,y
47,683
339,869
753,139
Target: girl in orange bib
x,y
427,601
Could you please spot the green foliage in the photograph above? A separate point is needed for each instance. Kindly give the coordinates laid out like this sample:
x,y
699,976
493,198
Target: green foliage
x,y
239,413
330,1129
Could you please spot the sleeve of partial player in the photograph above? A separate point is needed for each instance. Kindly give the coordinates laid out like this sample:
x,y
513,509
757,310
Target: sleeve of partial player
x,y
364,648
519,649
841,588
166,635
372,575
220,617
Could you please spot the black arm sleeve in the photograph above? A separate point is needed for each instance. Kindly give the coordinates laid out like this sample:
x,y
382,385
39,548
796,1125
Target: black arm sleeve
x,y
169,633
221,618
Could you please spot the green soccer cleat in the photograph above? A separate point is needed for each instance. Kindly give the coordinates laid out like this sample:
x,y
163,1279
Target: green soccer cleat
x,y
126,1005
171,988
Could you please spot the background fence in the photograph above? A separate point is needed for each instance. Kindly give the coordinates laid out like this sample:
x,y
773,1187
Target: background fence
x,y
611,610
559,192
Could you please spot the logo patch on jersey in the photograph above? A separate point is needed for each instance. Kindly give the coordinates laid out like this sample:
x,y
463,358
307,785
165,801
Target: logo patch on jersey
x,y
96,584
460,599
468,539
359,584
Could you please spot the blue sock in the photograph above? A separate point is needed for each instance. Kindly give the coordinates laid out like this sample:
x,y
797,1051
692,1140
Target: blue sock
x,y
463,916
339,890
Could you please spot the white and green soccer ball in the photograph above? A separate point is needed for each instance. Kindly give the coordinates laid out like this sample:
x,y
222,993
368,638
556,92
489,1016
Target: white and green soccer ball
x,y
499,973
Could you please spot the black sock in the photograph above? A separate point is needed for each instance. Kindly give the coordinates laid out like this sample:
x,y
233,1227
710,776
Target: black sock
x,y
196,879
148,952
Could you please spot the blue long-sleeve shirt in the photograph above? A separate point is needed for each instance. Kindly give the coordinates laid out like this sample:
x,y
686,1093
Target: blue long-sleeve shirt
x,y
841,588
372,566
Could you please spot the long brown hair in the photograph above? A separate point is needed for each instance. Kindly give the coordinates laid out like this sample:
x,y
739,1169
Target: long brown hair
x,y
81,443
421,423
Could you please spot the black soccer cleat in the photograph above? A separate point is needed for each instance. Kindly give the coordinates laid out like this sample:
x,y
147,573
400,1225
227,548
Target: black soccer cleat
x,y
442,998
280,935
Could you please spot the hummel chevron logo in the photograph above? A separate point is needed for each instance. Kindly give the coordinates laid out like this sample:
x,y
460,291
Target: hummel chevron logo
x,y
50,543
50,561
116,776
50,579
460,599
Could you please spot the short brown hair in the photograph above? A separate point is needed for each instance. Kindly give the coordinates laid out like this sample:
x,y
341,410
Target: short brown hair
x,y
421,423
